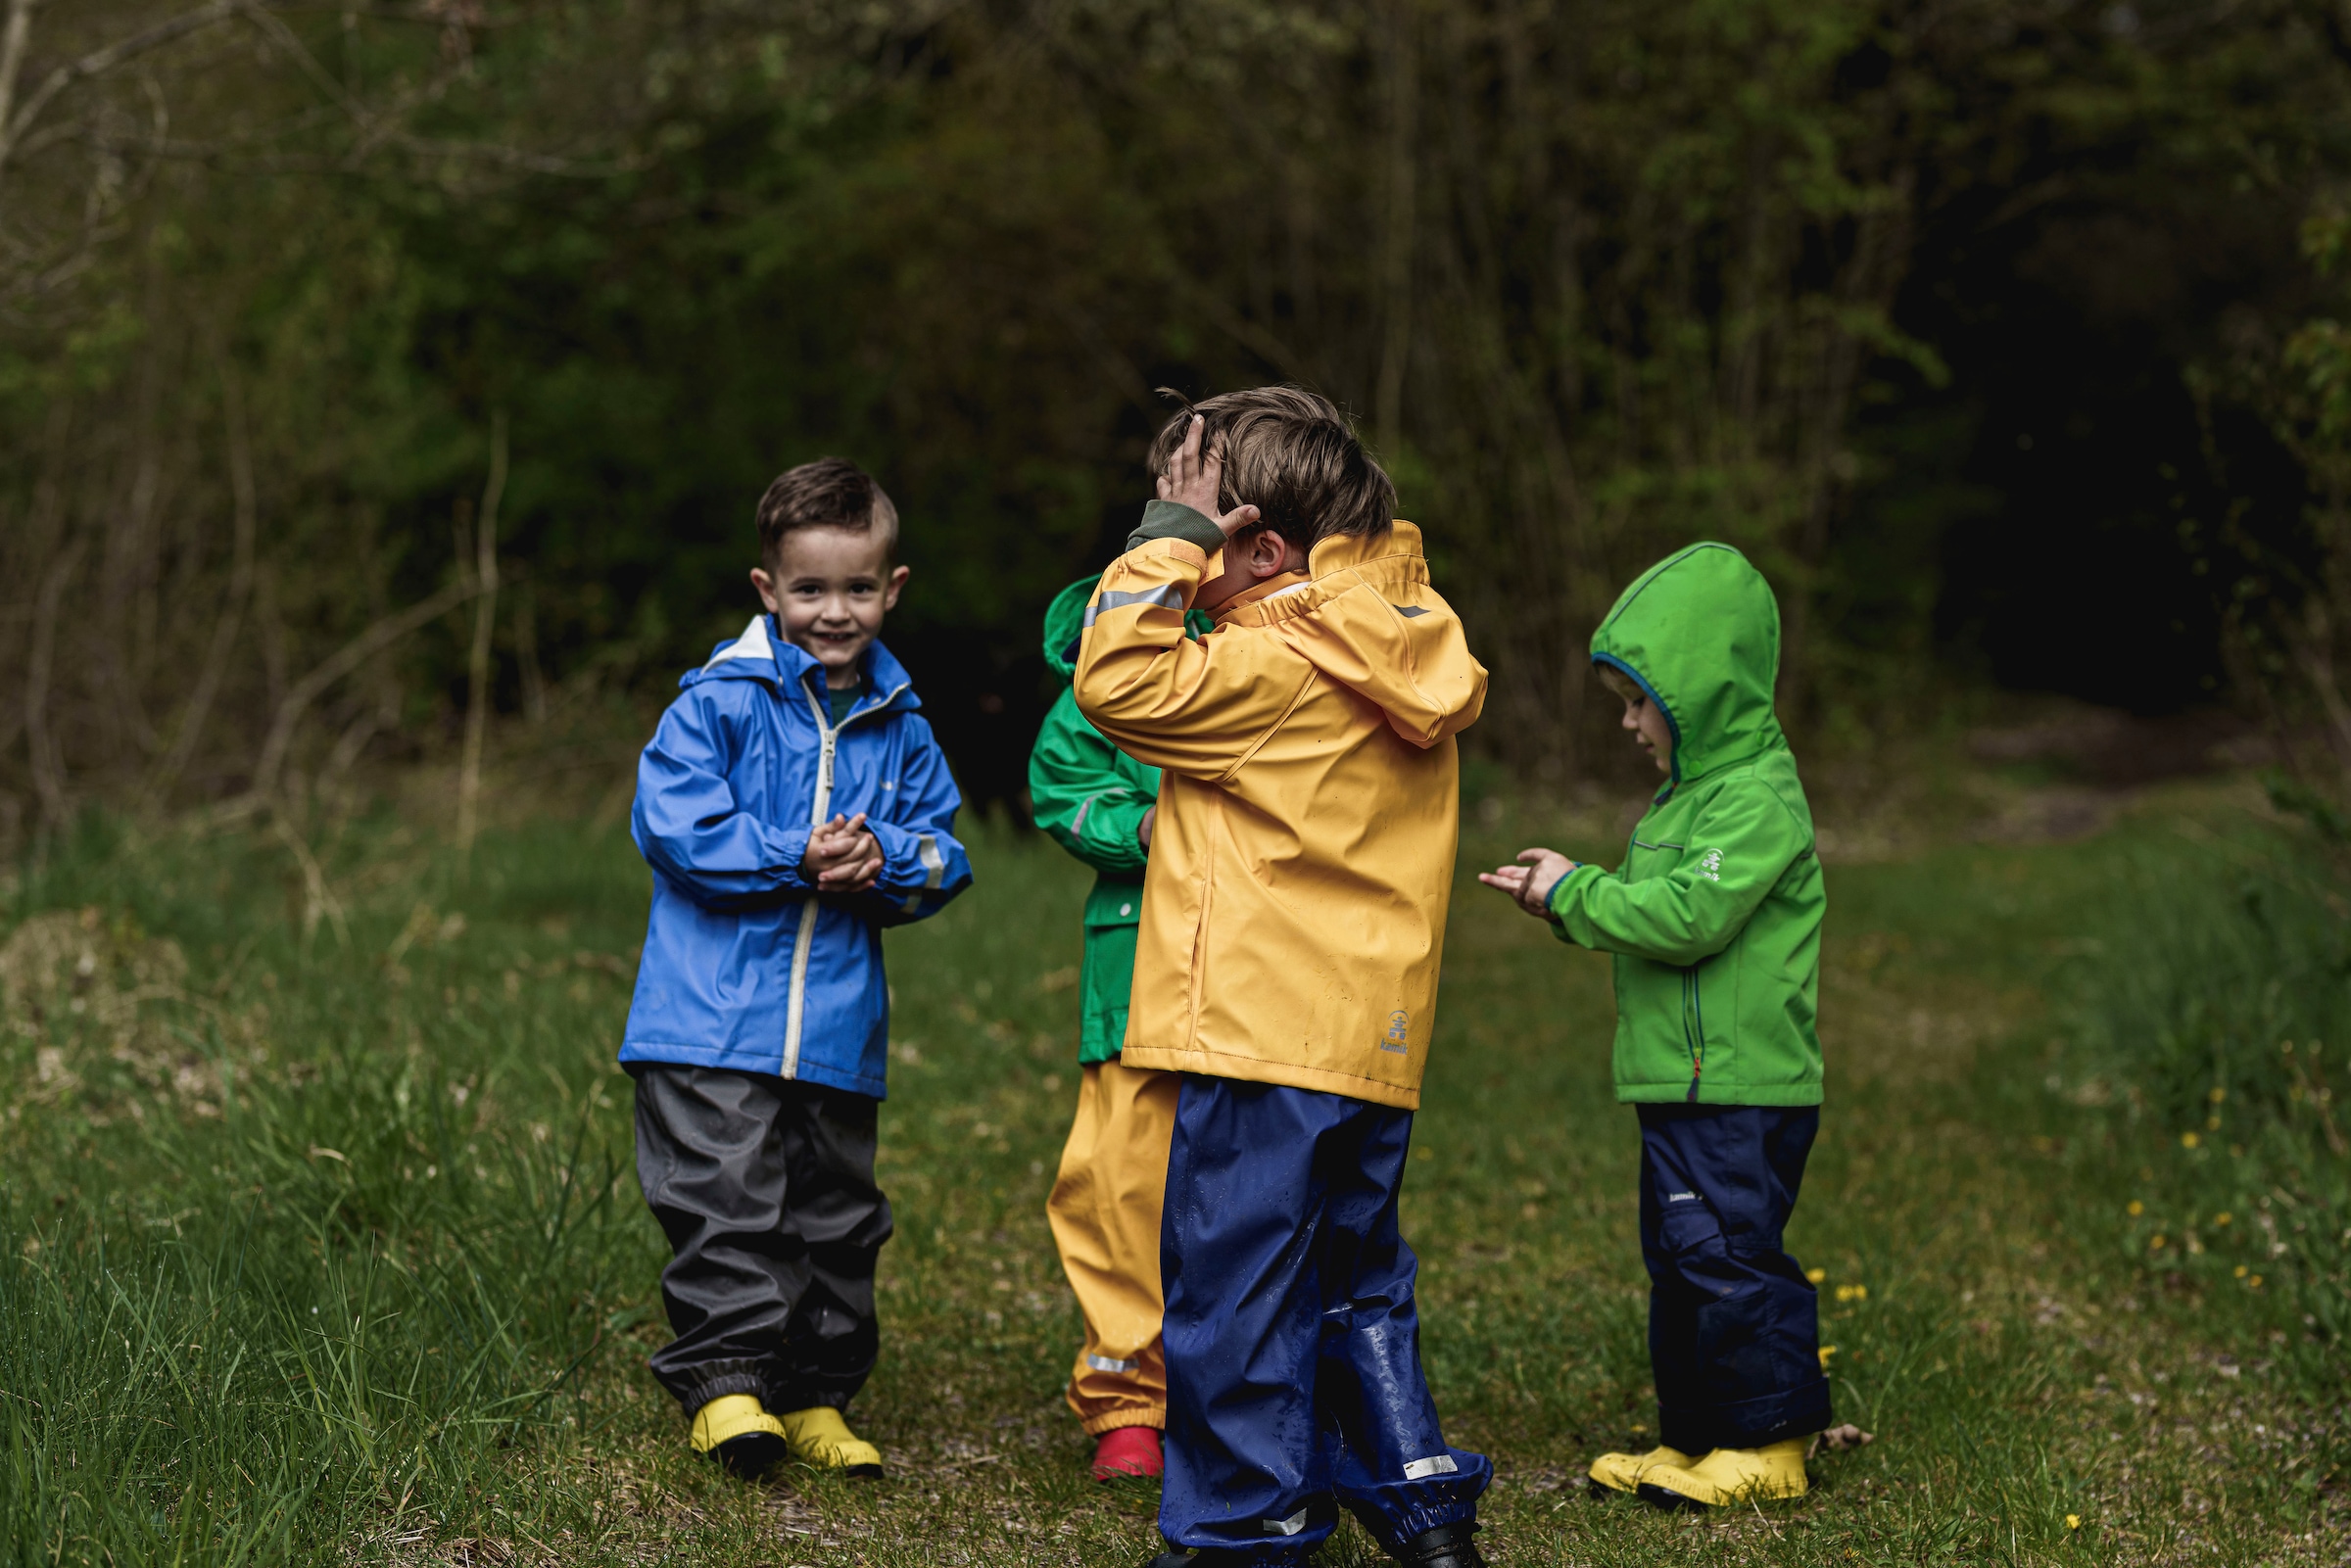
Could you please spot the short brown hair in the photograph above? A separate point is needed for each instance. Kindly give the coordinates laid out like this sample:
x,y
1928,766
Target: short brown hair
x,y
829,492
1290,454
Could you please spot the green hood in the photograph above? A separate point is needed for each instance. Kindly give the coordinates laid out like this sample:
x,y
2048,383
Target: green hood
x,y
1700,632
1065,618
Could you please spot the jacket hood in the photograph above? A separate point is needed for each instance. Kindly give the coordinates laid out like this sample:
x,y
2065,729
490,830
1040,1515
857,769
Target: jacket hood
x,y
760,655
1065,619
1700,632
1369,619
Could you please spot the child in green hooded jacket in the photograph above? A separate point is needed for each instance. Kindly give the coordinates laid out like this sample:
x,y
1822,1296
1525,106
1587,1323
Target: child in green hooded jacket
x,y
1098,803
1714,920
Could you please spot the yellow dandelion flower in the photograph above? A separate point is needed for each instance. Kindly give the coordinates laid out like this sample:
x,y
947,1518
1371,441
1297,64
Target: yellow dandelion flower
x,y
2188,1140
2255,1282
1860,1293
1816,1275
2212,1124
2157,1242
2218,1094
1826,1351
2223,1218
2073,1521
2242,1271
2134,1209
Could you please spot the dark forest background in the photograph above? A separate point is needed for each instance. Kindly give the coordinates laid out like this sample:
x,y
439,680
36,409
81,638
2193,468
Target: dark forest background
x,y
370,368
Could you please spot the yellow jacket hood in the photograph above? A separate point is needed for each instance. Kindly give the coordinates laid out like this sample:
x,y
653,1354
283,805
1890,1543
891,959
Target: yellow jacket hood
x,y
1367,618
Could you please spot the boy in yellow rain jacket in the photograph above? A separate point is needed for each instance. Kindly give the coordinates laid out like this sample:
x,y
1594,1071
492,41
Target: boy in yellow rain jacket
x,y
1293,917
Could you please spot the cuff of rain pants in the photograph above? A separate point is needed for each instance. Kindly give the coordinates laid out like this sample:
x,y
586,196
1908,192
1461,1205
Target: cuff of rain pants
x,y
783,1399
718,1380
1420,1521
1154,1417
1774,1418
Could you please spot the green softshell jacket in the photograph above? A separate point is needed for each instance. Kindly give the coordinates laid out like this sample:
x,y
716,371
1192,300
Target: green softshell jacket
x,y
1714,916
1091,796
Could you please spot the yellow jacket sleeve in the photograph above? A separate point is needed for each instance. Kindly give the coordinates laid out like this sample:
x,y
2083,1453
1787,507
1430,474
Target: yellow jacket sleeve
x,y
1199,708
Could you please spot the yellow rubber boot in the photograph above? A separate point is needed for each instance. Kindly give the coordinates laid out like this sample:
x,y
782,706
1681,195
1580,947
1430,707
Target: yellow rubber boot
x,y
1729,1476
1621,1472
735,1430
820,1437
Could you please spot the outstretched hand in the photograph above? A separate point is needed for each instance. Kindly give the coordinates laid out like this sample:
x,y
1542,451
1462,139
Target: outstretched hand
x,y
1530,883
1195,478
843,856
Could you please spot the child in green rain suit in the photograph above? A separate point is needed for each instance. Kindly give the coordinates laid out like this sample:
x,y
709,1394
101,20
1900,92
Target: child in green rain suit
x,y
1714,919
1098,803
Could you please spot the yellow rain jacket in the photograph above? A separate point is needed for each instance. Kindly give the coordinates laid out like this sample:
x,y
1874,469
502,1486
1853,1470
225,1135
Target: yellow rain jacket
x,y
1294,906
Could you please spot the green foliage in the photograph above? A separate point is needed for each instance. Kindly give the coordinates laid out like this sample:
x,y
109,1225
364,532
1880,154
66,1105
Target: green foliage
x,y
1599,282
2297,798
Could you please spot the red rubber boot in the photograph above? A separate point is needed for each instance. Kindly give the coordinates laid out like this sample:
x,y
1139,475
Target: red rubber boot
x,y
1129,1450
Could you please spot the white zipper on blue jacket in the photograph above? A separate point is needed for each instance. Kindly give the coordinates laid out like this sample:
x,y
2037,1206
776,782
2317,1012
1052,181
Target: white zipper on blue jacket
x,y
795,1007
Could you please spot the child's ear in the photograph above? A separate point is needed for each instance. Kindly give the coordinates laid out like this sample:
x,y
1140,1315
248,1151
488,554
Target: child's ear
x,y
892,591
766,586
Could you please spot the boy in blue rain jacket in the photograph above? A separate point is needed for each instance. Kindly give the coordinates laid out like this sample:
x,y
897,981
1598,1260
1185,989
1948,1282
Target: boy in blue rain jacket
x,y
791,804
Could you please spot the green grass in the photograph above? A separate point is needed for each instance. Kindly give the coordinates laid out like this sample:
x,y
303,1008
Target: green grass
x,y
320,1237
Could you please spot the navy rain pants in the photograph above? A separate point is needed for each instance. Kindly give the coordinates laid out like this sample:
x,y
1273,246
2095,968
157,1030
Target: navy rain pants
x,y
1292,1339
1734,1326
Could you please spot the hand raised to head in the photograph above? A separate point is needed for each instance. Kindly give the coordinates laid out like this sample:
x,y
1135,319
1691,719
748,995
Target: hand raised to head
x,y
1195,478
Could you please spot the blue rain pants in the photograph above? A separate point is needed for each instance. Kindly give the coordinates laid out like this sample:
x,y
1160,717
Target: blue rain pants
x,y
1292,1339
1734,1326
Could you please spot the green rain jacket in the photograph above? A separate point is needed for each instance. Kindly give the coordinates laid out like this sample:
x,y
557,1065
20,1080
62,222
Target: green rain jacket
x,y
1714,916
1091,796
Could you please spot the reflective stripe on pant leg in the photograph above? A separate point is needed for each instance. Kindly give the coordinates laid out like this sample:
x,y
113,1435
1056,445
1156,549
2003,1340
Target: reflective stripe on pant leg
x,y
1393,1471
1243,1323
1105,1213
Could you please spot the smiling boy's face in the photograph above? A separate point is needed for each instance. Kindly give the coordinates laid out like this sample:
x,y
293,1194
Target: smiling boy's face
x,y
828,589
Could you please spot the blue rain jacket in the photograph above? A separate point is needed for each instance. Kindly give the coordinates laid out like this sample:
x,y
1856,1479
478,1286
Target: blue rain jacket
x,y
745,965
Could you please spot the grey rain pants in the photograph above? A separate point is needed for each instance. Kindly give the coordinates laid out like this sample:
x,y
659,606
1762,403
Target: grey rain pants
x,y
765,1188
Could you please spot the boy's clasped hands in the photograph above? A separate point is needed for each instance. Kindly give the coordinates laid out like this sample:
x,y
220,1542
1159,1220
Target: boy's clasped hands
x,y
843,856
